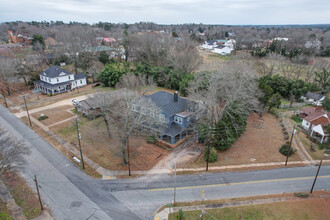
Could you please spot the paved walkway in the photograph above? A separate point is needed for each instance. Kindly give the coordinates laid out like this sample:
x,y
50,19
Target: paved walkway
x,y
163,215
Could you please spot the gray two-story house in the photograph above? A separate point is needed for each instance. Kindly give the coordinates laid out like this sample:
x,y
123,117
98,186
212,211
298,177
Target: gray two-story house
x,y
177,112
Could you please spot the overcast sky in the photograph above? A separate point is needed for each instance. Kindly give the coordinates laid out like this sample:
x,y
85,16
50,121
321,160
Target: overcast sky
x,y
234,12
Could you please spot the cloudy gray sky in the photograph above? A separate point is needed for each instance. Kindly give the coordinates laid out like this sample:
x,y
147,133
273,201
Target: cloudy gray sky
x,y
170,11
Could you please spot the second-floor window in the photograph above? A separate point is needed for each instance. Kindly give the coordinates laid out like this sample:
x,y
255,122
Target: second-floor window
x,y
80,81
49,80
178,119
57,79
69,77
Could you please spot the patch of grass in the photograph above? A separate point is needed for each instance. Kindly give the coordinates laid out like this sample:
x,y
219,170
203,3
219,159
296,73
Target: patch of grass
x,y
23,195
299,209
3,212
296,119
227,57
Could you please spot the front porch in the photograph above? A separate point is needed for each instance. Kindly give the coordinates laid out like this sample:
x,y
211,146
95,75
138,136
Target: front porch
x,y
47,88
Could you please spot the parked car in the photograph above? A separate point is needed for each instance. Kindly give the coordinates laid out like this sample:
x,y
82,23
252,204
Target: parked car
x,y
96,84
75,101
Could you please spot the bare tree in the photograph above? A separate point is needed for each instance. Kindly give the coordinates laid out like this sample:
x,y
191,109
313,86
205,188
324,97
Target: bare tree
x,y
232,89
139,83
7,71
12,152
130,114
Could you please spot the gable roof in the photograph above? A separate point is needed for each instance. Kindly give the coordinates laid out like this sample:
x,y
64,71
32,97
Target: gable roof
x,y
315,96
166,102
55,71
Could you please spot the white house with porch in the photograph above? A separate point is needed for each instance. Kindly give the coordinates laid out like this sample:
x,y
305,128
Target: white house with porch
x,y
55,80
319,131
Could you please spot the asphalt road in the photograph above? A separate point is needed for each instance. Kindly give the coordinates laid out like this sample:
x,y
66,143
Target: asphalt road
x,y
71,194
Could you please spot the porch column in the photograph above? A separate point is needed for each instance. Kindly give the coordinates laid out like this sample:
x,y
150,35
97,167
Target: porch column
x,y
197,136
322,139
172,140
312,133
161,137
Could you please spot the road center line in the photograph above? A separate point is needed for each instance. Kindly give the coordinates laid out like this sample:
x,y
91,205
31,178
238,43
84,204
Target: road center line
x,y
240,183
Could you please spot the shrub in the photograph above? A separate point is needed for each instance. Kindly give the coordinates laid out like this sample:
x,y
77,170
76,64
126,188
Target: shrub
x,y
296,118
213,155
42,117
180,215
151,139
301,195
274,112
285,149
286,137
285,133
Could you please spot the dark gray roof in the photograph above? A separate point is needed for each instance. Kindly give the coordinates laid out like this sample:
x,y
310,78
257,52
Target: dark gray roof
x,y
80,76
165,101
315,96
55,71
173,129
49,86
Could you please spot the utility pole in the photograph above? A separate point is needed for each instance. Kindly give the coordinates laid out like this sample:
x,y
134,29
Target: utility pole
x,y
317,173
79,137
35,179
27,111
208,156
4,97
174,182
128,162
287,156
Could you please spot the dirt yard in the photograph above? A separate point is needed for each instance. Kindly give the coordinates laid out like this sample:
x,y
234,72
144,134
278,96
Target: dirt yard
x,y
55,115
260,143
107,151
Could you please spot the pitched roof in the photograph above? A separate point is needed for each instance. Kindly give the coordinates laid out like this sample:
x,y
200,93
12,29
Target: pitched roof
x,y
80,76
166,102
55,71
315,115
315,96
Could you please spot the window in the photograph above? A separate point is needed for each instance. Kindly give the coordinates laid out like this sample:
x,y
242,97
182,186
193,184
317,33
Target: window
x,y
49,80
152,114
69,77
188,119
178,119
162,117
57,79
80,81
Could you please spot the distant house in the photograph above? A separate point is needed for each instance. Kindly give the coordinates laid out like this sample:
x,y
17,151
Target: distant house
x,y
55,80
313,98
87,107
314,118
223,50
222,47
175,111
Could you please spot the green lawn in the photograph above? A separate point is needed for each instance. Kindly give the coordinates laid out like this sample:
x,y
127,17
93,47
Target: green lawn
x,y
303,209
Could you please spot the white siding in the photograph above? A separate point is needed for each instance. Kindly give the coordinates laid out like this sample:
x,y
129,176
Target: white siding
x,y
305,124
56,79
79,83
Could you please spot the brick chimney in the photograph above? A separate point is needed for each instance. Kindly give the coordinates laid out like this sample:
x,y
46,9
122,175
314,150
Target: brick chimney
x,y
318,108
176,96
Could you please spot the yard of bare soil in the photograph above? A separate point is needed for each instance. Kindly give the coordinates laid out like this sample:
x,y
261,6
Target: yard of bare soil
x,y
107,152
260,143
